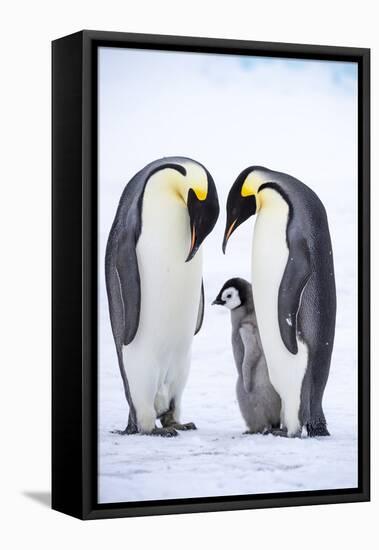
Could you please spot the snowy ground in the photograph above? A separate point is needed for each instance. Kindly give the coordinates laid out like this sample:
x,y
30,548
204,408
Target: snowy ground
x,y
217,459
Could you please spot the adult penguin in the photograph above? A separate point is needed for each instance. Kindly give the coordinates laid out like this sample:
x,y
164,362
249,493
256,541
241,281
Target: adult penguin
x,y
293,286
153,271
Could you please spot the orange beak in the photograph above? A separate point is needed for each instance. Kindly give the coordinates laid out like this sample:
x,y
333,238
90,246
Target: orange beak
x,y
227,235
193,248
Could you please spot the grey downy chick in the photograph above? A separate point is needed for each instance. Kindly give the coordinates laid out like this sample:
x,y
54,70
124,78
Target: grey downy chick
x,y
258,401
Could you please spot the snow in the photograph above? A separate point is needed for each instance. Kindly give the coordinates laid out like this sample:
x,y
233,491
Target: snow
x,y
229,113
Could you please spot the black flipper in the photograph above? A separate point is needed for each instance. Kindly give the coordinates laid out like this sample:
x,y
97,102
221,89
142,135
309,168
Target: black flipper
x,y
130,287
295,277
117,293
200,315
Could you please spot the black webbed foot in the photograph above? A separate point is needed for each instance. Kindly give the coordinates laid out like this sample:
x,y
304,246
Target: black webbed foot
x,y
168,420
317,429
169,431
263,431
129,430
279,432
184,427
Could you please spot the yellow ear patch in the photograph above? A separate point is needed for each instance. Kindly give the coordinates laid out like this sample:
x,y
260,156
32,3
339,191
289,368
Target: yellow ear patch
x,y
195,179
251,185
201,193
247,190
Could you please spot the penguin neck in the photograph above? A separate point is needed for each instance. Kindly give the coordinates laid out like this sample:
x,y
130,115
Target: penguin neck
x,y
165,217
271,200
239,313
166,187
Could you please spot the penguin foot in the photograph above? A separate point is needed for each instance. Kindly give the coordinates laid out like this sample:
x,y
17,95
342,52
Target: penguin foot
x,y
129,430
164,432
261,431
168,421
184,427
317,429
283,432
279,432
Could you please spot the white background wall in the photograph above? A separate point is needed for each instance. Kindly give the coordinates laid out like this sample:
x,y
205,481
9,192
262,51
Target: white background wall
x,y
27,29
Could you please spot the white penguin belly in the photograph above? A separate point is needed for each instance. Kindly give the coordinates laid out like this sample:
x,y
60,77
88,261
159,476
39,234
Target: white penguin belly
x,y
157,360
269,258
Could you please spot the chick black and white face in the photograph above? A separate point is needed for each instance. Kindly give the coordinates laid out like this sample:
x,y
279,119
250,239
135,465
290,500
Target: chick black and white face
x,y
231,298
234,293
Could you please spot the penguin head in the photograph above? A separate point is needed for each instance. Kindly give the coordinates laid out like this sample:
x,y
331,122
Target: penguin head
x,y
200,195
234,293
243,199
192,185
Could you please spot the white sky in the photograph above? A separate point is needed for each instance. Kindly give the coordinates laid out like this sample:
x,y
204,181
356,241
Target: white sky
x,y
287,114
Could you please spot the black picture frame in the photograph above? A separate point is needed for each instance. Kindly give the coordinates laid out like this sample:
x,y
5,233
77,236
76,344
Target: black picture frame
x,y
74,272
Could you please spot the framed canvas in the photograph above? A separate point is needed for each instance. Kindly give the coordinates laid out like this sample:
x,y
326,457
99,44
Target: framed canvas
x,y
211,275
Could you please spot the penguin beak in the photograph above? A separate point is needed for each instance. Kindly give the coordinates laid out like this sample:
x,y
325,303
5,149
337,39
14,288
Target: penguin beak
x,y
228,231
203,215
238,210
194,245
218,301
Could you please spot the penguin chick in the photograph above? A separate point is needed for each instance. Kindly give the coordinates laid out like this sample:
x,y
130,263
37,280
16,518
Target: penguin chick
x,y
258,401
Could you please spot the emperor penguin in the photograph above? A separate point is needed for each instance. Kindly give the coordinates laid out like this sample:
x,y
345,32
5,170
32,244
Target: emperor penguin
x,y
153,270
258,401
293,287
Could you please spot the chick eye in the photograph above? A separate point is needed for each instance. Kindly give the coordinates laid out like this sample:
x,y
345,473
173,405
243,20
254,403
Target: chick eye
x,y
228,295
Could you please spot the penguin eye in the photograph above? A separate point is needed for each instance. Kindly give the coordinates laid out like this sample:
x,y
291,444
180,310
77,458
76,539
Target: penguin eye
x,y
228,295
